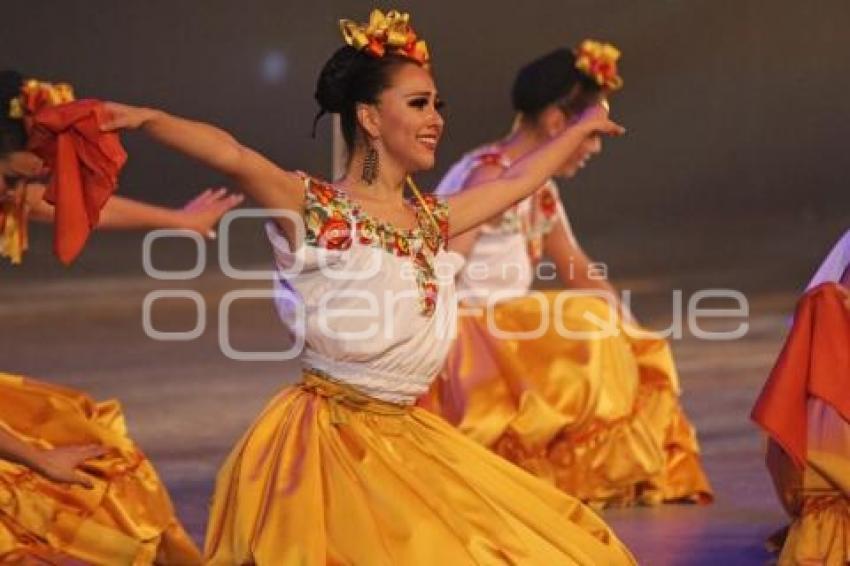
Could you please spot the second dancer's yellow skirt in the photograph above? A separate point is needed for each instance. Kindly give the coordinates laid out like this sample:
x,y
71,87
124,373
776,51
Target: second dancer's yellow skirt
x,y
327,475
595,413
125,519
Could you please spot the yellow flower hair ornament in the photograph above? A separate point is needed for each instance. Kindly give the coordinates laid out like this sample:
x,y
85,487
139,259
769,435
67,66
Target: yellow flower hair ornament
x,y
386,33
36,95
598,61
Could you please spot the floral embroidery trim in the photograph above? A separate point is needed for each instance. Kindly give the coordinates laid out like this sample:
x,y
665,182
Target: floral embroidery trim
x,y
543,215
333,221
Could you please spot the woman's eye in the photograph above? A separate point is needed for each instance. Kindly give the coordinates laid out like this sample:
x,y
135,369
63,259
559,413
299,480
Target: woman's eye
x,y
419,103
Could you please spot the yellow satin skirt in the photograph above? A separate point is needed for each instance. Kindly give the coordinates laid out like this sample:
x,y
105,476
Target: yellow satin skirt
x,y
818,496
595,413
327,475
125,519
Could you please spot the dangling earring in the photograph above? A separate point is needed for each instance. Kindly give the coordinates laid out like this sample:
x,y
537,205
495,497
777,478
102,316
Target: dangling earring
x,y
370,165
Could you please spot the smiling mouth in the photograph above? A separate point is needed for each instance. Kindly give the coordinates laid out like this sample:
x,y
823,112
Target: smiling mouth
x,y
583,163
429,141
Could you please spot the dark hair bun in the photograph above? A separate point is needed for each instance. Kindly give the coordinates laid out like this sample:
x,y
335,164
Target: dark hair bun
x,y
12,135
332,88
546,80
10,85
351,77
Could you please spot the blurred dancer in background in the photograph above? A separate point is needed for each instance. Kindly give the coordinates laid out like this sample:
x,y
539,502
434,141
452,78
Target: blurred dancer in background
x,y
75,487
595,412
805,410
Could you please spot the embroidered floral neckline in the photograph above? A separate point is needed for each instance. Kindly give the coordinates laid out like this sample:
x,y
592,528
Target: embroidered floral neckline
x,y
333,220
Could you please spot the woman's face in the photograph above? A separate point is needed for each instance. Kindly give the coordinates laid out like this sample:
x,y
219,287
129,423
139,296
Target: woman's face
x,y
592,145
409,124
18,167
588,148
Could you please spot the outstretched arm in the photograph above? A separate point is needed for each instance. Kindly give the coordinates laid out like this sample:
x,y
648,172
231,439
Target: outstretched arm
x,y
268,184
475,205
119,213
463,243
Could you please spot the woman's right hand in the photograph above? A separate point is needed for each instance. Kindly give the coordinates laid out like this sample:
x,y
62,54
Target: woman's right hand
x,y
124,117
596,121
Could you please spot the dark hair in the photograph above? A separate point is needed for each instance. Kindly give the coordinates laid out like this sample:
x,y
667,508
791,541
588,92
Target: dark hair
x,y
13,137
553,79
350,77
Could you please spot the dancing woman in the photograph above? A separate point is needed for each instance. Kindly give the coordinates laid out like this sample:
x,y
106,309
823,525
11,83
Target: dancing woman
x,y
343,468
24,178
805,410
73,486
595,412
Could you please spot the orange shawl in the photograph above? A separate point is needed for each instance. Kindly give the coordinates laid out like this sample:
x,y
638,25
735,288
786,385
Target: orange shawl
x,y
84,164
815,362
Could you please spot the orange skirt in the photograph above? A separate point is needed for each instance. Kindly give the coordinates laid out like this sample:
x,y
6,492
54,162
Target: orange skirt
x,y
327,475
125,519
596,414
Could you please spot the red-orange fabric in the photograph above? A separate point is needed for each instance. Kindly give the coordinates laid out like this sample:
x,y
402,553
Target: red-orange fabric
x,y
814,362
84,163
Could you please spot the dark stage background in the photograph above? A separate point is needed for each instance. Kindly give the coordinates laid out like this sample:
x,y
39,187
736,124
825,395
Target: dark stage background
x,y
734,170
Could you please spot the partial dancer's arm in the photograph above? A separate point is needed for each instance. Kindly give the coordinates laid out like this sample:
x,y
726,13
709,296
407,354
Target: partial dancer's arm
x,y
57,464
463,243
575,267
268,184
119,213
477,204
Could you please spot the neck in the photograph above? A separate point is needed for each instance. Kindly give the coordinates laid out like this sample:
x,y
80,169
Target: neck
x,y
525,139
389,184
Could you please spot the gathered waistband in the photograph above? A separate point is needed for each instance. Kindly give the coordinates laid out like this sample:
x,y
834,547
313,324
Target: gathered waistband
x,y
343,395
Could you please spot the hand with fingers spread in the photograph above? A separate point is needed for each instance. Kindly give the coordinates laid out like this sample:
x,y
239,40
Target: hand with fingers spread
x,y
203,212
62,464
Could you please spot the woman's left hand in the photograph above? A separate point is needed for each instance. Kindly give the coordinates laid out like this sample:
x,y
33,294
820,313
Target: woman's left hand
x,y
60,464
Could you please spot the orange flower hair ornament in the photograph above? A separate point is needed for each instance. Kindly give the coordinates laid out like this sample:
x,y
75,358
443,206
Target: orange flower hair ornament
x,y
36,95
599,62
386,33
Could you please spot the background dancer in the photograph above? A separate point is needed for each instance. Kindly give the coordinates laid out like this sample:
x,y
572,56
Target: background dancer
x,y
595,412
76,487
805,410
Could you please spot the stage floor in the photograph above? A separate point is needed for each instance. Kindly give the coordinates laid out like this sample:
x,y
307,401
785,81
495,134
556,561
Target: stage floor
x,y
187,404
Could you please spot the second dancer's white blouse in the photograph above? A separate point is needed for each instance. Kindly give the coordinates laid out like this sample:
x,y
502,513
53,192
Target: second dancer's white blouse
x,y
501,263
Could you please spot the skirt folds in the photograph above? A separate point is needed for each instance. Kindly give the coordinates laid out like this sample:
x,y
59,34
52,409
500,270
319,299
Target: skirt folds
x,y
126,518
570,393
327,475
